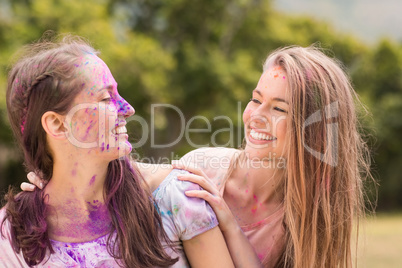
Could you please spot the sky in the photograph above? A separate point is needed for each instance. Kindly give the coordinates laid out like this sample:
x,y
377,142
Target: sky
x,y
370,20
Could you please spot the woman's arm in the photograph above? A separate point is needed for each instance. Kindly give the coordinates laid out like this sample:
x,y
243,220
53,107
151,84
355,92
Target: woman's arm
x,y
153,174
208,250
241,251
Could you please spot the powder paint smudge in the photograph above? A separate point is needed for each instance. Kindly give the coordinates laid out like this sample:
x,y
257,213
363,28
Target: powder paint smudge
x,y
92,180
255,198
74,171
254,209
96,223
176,209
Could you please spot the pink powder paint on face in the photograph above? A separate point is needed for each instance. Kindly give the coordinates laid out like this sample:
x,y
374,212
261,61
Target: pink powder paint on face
x,y
92,180
284,77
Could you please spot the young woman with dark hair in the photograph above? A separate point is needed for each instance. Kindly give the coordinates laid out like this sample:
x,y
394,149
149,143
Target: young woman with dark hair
x,y
69,119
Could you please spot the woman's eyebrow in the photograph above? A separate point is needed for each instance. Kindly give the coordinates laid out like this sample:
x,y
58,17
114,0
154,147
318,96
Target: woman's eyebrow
x,y
280,100
258,92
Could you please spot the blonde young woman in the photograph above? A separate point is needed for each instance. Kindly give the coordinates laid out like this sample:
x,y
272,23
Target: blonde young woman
x,y
294,191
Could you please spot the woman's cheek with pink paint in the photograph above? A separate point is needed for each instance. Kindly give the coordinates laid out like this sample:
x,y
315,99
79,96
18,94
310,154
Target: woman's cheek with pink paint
x,y
85,125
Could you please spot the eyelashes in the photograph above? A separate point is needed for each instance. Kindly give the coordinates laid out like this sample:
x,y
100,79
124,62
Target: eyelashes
x,y
255,101
280,110
275,108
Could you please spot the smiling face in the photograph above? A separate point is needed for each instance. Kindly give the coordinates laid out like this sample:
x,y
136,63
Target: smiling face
x,y
98,115
265,117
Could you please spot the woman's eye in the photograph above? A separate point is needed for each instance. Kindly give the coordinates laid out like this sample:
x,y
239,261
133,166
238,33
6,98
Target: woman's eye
x,y
280,110
107,99
255,101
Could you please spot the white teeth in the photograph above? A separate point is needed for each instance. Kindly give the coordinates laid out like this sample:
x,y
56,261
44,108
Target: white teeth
x,y
261,136
119,130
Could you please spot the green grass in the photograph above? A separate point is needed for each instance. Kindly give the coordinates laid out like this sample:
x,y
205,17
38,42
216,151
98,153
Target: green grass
x,y
381,242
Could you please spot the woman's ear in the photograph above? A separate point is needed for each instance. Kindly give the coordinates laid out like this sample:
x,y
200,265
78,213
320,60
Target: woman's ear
x,y
53,124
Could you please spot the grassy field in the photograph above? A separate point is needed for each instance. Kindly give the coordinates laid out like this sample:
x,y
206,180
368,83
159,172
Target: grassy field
x,y
381,242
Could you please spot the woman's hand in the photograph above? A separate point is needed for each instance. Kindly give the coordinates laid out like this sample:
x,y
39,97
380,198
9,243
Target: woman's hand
x,y
240,248
210,193
35,180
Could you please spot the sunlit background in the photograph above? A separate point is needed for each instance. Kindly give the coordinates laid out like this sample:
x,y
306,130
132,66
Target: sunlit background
x,y
205,56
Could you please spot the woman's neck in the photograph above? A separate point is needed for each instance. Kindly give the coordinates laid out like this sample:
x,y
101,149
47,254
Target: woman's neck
x,y
253,190
75,199
81,180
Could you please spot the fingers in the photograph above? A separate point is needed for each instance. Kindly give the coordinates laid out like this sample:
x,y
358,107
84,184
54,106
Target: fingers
x,y
205,183
203,195
34,179
27,187
189,167
216,203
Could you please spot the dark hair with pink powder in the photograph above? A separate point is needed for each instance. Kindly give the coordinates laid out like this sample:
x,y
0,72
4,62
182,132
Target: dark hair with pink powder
x,y
45,80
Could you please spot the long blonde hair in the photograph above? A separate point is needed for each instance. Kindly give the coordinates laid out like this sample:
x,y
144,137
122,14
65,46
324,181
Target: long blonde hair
x,y
327,161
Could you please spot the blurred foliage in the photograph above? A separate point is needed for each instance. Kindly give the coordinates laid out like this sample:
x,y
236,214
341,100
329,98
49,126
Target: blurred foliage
x,y
205,57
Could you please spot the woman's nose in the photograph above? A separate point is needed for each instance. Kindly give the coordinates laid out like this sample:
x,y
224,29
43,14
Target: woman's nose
x,y
126,109
260,119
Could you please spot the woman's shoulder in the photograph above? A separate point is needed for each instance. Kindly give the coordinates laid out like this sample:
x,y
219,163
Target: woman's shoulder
x,y
215,162
190,216
170,186
207,157
153,174
208,152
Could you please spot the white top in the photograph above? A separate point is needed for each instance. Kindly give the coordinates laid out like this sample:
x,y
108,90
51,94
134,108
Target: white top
x,y
183,218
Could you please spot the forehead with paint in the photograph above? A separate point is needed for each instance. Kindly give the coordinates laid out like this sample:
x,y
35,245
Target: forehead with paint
x,y
95,75
273,82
